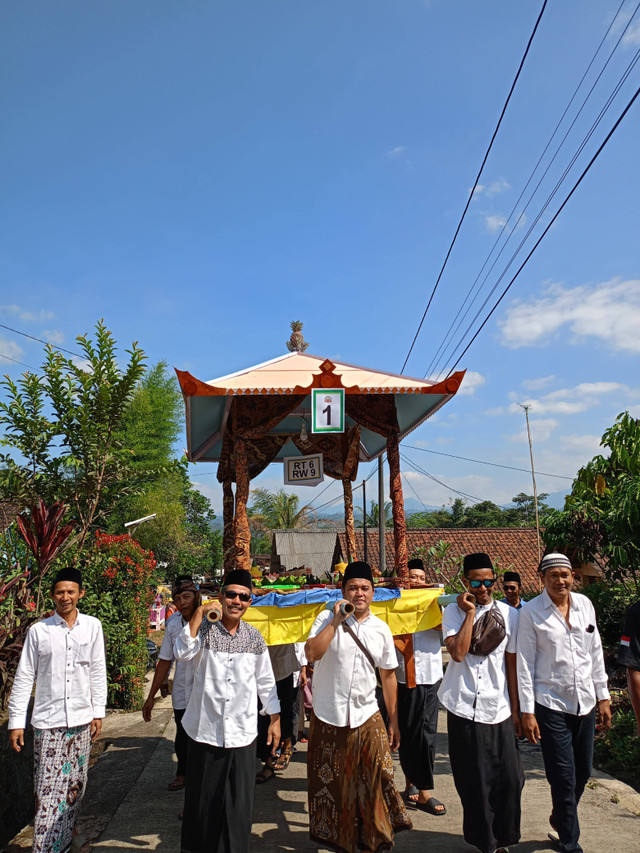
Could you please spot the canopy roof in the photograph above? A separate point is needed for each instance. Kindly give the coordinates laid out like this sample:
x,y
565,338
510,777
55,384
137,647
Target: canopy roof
x,y
208,403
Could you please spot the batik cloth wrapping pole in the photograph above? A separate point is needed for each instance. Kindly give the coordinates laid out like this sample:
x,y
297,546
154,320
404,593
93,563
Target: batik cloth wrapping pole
x,y
228,535
349,528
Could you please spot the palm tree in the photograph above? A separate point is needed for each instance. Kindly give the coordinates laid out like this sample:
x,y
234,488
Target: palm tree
x,y
279,511
374,515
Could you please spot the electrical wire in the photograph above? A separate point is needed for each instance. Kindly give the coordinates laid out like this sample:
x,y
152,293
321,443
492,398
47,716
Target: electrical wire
x,y
548,227
15,361
39,340
440,483
451,331
475,184
484,462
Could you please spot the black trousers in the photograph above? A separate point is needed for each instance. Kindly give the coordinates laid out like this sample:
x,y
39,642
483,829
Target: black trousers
x,y
287,694
418,722
181,741
567,749
488,775
218,798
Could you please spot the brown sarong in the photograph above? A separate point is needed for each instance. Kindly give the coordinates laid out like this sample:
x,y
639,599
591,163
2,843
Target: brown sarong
x,y
353,800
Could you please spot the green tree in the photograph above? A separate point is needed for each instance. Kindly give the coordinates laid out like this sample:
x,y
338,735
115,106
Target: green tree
x,y
434,518
373,516
279,511
62,430
600,522
525,506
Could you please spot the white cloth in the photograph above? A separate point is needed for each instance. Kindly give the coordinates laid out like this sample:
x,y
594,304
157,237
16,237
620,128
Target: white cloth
x,y
69,668
476,687
183,675
344,682
231,671
427,654
284,660
559,667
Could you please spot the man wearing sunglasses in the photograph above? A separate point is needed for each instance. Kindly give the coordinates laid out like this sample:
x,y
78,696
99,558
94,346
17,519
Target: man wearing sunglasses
x,y
512,588
232,670
479,691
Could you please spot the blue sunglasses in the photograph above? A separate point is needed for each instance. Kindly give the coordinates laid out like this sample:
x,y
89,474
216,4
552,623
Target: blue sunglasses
x,y
488,583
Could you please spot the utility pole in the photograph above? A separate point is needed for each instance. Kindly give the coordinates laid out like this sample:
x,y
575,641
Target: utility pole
x,y
382,521
364,518
526,407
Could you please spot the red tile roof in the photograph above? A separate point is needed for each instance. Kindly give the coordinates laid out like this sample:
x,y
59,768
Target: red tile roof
x,y
510,548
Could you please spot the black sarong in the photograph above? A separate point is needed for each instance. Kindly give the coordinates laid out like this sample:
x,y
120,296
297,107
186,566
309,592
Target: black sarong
x,y
488,775
218,798
418,722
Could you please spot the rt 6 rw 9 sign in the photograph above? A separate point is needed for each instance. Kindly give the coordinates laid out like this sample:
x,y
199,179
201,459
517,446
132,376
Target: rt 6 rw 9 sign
x,y
327,410
303,470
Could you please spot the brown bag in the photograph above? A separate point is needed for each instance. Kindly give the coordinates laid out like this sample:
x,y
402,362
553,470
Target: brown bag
x,y
488,632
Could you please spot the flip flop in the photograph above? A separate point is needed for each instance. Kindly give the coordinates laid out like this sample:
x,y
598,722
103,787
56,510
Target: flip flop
x,y
409,792
176,784
283,760
265,775
431,807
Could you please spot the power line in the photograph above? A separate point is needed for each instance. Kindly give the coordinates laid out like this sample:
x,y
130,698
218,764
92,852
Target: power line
x,y
484,462
475,184
440,483
39,340
543,209
548,227
15,361
451,330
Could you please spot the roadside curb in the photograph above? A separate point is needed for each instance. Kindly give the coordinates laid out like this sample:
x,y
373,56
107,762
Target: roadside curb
x,y
621,793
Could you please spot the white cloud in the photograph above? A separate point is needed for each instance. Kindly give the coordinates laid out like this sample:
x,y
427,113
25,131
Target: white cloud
x,y
26,316
632,35
433,494
472,380
396,152
608,312
541,429
494,222
53,336
498,410
9,348
537,384
572,401
494,188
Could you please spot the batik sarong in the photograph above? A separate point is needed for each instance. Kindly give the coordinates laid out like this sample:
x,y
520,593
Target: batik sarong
x,y
60,779
353,800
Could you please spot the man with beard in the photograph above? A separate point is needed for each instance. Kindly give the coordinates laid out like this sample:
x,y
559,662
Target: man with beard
x,y
231,671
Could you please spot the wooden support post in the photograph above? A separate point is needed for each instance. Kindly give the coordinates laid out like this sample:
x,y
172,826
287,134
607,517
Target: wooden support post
x,y
397,504
349,527
242,531
228,537
382,521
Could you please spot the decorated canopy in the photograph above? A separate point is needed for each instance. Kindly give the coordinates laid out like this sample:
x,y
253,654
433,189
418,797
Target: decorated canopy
x,y
248,419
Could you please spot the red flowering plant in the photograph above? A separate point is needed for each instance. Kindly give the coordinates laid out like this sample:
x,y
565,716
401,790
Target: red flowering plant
x,y
117,576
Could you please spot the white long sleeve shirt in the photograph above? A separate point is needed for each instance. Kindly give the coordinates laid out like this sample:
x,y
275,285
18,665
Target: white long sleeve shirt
x,y
427,655
344,682
183,676
476,687
231,671
560,667
69,668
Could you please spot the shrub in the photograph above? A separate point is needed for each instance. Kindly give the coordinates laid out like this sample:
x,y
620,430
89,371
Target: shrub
x,y
117,572
610,602
617,751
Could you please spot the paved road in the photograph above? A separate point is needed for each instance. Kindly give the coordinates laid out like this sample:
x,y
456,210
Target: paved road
x,y
127,806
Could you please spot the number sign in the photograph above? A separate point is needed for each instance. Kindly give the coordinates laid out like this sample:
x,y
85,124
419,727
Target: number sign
x,y
327,410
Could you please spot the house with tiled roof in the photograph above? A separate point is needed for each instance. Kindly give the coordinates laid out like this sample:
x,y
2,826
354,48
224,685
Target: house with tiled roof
x,y
511,548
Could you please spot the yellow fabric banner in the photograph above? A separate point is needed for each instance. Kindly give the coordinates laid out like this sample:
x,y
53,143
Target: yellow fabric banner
x,y
415,610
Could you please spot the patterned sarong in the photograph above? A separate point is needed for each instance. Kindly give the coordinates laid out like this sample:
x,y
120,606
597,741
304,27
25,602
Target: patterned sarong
x,y
61,767
353,800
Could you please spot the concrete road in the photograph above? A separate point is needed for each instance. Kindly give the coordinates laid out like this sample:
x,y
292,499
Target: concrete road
x,y
127,805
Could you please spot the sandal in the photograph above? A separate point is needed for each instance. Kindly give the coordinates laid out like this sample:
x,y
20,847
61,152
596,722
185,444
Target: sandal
x,y
431,807
176,784
411,794
283,760
265,775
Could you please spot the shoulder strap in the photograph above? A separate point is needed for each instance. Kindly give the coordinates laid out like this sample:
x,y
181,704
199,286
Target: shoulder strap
x,y
360,644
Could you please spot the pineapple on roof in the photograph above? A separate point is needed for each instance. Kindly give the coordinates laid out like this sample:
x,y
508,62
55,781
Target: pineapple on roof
x,y
296,342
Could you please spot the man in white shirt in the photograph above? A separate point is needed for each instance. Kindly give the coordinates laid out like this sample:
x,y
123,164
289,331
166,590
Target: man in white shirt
x,y
479,691
187,599
561,677
419,674
231,671
64,655
353,801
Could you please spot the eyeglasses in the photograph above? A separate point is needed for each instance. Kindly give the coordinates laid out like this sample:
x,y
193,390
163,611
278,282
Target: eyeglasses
x,y
231,595
511,589
488,583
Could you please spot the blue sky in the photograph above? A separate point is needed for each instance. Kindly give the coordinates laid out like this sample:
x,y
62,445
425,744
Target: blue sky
x,y
201,173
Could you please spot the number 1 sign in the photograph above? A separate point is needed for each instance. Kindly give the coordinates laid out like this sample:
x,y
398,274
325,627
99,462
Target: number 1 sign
x,y
327,410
